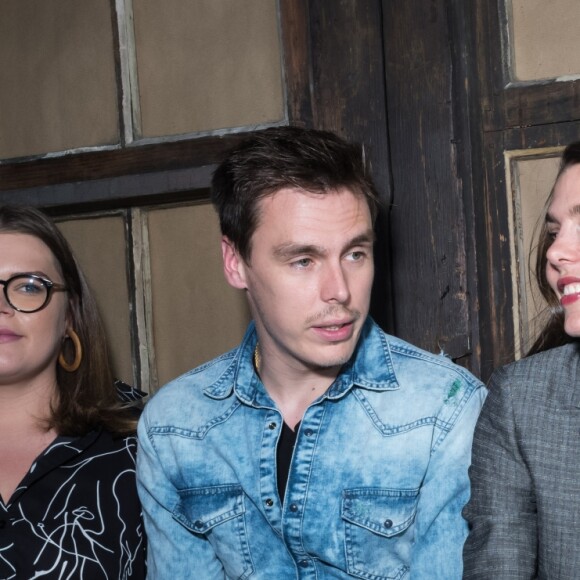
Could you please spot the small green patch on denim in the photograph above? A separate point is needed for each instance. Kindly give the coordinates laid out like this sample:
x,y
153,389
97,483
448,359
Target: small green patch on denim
x,y
455,387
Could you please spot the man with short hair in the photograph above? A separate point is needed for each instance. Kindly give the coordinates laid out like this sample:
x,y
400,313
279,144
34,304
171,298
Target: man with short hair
x,y
320,447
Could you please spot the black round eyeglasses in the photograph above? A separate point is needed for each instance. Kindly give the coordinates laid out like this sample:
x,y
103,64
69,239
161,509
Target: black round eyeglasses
x,y
29,292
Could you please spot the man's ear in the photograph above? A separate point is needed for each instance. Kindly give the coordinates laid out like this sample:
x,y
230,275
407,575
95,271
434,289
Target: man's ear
x,y
234,266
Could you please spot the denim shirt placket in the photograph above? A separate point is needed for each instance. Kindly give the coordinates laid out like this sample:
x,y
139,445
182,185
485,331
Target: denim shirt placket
x,y
298,486
287,516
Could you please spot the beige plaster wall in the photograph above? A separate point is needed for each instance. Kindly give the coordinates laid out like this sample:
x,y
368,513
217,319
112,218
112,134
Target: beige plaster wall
x,y
546,42
207,64
196,314
57,76
532,181
99,245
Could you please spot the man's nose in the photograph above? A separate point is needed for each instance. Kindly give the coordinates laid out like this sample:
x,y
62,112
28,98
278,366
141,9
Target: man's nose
x,y
335,284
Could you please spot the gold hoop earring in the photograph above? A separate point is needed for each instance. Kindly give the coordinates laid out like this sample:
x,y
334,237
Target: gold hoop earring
x,y
76,363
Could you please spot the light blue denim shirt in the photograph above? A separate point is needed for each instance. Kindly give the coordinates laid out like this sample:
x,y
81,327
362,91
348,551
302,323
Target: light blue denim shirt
x,y
376,484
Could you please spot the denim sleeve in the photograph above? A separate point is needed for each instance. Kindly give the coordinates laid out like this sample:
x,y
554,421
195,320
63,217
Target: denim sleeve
x,y
501,512
441,529
172,551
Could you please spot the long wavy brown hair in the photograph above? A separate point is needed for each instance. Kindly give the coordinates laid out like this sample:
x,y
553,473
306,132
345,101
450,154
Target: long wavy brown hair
x,y
553,333
87,397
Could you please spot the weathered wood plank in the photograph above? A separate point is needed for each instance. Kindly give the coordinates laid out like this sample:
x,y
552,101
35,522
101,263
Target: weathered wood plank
x,y
428,217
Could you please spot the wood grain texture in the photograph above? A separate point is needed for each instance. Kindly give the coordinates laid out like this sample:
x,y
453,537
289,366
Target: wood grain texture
x,y
428,217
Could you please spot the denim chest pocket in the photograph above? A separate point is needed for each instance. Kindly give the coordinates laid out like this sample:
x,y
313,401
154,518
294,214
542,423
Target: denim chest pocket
x,y
218,514
378,531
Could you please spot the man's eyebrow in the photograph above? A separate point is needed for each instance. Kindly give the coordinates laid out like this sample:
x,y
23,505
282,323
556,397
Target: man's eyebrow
x,y
290,249
366,238
575,210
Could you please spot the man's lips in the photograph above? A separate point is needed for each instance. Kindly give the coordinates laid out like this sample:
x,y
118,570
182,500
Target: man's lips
x,y
335,330
333,324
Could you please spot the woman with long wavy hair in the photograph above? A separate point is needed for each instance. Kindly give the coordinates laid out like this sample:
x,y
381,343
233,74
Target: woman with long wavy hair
x,y
524,511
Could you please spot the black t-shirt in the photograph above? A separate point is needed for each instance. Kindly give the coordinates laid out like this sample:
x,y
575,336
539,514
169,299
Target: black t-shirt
x,y
284,457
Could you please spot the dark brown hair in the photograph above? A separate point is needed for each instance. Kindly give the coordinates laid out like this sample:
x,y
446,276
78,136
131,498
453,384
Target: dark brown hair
x,y
87,397
553,333
279,157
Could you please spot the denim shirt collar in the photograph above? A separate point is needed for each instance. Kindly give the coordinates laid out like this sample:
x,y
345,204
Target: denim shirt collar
x,y
370,367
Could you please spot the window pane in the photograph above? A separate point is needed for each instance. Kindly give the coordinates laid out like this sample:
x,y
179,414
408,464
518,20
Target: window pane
x,y
57,75
99,245
196,314
546,43
208,64
532,180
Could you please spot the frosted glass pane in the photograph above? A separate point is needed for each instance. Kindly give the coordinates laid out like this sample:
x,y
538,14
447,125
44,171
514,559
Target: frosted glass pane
x,y
196,314
57,76
208,64
546,43
532,182
99,245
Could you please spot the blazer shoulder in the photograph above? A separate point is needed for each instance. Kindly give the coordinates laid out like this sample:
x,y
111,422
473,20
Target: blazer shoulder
x,y
542,364
552,375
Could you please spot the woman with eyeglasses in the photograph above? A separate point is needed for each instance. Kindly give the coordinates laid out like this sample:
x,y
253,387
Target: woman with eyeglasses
x,y
524,511
69,506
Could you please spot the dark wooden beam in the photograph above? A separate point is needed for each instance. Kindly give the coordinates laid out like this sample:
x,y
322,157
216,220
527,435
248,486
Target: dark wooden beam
x,y
296,49
137,159
429,221
115,192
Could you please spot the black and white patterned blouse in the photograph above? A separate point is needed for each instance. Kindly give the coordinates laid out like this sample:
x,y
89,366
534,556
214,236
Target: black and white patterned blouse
x,y
76,514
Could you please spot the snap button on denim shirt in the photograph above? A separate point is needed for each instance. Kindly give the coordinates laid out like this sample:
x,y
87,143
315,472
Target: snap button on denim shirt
x,y
376,485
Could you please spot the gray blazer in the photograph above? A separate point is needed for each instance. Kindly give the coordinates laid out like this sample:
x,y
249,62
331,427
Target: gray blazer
x,y
524,511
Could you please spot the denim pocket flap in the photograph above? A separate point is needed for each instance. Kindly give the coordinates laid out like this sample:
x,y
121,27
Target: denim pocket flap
x,y
386,512
201,509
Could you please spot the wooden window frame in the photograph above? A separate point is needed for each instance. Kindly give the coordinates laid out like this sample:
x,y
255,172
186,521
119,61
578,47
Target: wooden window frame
x,y
333,72
137,172
510,116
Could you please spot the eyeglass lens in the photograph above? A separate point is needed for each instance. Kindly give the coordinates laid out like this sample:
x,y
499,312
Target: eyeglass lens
x,y
26,293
